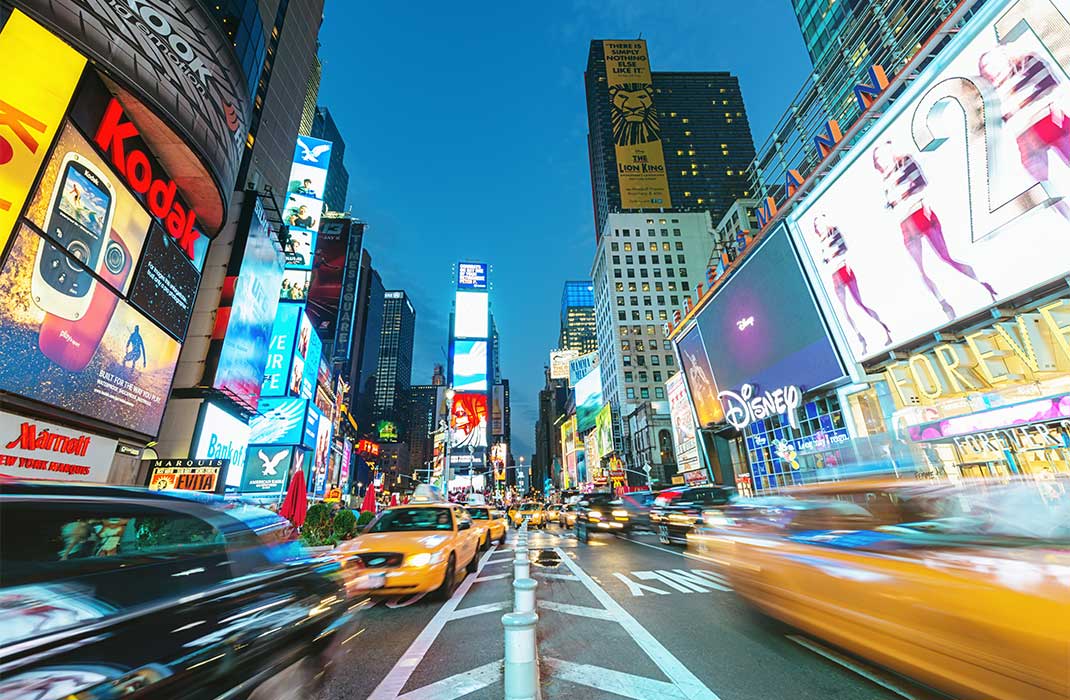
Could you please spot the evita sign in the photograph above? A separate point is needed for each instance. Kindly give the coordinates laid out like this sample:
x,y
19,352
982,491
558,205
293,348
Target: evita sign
x,y
744,408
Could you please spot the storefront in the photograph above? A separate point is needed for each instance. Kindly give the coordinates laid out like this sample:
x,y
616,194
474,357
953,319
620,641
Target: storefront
x,y
120,160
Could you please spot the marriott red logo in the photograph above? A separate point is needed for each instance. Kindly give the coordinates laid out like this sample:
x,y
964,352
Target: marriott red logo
x,y
30,439
134,164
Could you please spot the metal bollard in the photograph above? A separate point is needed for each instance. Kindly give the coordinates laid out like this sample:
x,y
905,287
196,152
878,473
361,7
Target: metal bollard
x,y
524,594
521,670
521,565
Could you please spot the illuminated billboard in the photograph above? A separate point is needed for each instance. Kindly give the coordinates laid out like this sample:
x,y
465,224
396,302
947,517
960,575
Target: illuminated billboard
x,y
471,319
956,199
767,334
221,435
470,365
603,431
559,363
699,376
471,275
280,421
636,132
683,424
468,420
387,431
588,399
280,351
87,350
579,367
266,470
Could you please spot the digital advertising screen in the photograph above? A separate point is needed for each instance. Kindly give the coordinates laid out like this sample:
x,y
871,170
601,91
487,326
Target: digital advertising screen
x,y
302,212
470,365
222,436
322,456
281,351
471,319
313,418
165,283
307,180
83,350
298,247
699,376
768,335
603,431
387,430
70,455
266,470
325,290
306,359
956,199
683,423
280,421
295,285
468,420
471,275
579,367
560,361
311,154
588,399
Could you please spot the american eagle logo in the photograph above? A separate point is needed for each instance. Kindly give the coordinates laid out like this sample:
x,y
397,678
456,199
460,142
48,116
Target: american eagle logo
x,y
633,115
312,155
271,464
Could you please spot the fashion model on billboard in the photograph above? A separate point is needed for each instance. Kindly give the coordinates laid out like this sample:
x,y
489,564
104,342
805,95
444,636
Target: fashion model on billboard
x,y
904,194
77,309
834,255
1026,85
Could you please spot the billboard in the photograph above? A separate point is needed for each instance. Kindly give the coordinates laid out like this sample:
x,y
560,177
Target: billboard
x,y
497,410
699,377
683,424
767,335
205,475
387,430
309,353
559,363
322,456
580,367
470,365
298,246
603,431
84,350
636,132
468,420
222,436
588,399
295,284
266,470
165,283
280,352
328,268
956,200
471,275
244,322
39,95
280,421
313,418
33,449
471,319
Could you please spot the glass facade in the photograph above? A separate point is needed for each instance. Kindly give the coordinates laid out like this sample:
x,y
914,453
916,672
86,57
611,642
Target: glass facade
x,y
394,373
577,317
781,455
241,21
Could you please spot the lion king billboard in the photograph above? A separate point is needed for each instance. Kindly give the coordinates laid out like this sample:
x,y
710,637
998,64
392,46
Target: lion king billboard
x,y
636,132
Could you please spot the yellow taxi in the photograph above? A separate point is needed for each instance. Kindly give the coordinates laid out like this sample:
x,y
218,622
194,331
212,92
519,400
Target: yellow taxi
x,y
490,524
533,511
965,587
415,548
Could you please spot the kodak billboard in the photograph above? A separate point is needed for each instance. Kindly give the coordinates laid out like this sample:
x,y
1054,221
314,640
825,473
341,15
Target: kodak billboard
x,y
636,132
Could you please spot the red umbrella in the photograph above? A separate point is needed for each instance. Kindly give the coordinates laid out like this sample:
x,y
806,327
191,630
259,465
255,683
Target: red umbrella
x,y
394,499
369,499
295,505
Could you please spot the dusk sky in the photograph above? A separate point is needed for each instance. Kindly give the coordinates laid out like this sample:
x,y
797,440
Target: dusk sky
x,y
465,129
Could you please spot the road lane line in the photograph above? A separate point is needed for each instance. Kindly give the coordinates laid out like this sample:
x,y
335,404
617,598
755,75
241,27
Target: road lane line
x,y
578,610
493,577
687,555
610,681
636,589
561,577
657,576
390,687
850,665
479,610
460,685
673,668
691,576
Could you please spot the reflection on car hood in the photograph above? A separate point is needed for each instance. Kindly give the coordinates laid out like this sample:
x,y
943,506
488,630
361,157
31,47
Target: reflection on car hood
x,y
30,611
403,542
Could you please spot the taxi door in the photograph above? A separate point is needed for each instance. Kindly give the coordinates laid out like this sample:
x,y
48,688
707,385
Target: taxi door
x,y
468,536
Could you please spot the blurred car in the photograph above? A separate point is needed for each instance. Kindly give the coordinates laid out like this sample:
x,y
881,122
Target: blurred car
x,y
416,548
600,512
552,511
533,511
123,592
638,505
489,524
566,517
965,587
675,514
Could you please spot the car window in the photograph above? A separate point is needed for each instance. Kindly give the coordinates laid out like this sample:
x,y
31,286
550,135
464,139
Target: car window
x,y
479,513
412,519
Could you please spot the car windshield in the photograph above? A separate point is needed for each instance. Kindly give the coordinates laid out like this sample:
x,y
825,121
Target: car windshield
x,y
413,519
479,513
530,505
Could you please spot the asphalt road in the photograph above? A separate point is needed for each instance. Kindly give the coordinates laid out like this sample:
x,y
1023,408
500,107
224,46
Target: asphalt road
x,y
618,618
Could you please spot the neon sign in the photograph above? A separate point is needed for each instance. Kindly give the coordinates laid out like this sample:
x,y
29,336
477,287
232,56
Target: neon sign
x,y
744,408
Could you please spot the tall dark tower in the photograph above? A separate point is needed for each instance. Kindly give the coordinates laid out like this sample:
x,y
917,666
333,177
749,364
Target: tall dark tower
x,y
394,373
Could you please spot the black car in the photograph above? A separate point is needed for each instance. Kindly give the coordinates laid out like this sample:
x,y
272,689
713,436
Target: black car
x,y
677,512
599,512
110,592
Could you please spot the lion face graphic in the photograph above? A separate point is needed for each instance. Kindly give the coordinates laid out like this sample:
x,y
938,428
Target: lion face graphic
x,y
634,118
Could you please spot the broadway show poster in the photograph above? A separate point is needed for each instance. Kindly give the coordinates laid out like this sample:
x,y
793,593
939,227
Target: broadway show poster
x,y
111,364
699,376
636,131
329,264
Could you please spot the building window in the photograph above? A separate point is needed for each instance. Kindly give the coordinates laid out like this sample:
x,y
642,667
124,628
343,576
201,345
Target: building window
x,y
640,360
650,331
654,259
684,286
628,377
627,247
669,360
622,315
625,345
614,246
616,260
620,301
644,272
642,377
655,359
672,287
657,376
661,299
631,272
637,330
657,272
630,392
634,301
644,393
628,259
626,360
676,232
617,273
683,272
665,232
659,287
680,259
646,286
635,315
650,232
674,300
640,246
665,246
649,315
659,393
620,286
679,245
639,346
642,260
669,272
667,346
663,315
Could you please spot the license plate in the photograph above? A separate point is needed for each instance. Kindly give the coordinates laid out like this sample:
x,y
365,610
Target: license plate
x,y
375,580
663,532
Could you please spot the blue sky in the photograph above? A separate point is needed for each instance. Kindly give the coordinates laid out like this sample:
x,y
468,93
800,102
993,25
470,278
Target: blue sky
x,y
465,128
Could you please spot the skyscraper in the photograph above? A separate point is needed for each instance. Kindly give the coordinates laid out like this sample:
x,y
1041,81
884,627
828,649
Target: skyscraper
x,y
702,124
368,326
312,91
394,374
577,317
335,193
423,408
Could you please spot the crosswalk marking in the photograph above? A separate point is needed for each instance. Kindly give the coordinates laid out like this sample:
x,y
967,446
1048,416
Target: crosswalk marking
x,y
680,580
610,681
636,589
578,610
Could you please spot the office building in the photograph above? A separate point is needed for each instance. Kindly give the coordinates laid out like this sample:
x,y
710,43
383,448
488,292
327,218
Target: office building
x,y
438,376
312,91
731,232
368,326
645,266
553,401
577,317
425,408
704,134
394,373
335,192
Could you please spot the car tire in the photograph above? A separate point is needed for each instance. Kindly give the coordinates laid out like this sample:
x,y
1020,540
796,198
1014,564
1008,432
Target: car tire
x,y
444,591
485,544
473,564
501,540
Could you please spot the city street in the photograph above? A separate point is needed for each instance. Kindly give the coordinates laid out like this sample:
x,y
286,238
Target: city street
x,y
617,619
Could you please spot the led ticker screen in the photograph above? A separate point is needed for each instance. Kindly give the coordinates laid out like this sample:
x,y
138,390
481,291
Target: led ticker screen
x,y
471,316
470,365
471,275
957,198
468,420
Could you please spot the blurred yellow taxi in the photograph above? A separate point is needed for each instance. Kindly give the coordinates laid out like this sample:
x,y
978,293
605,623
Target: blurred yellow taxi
x,y
490,524
415,548
533,511
566,517
965,587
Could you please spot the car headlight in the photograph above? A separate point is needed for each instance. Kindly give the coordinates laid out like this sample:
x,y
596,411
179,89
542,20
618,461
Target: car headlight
x,y
423,559
716,520
596,514
620,514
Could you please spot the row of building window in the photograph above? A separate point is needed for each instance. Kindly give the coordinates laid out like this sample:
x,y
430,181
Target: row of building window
x,y
627,233
675,300
648,315
629,376
658,287
642,247
650,330
640,360
644,393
